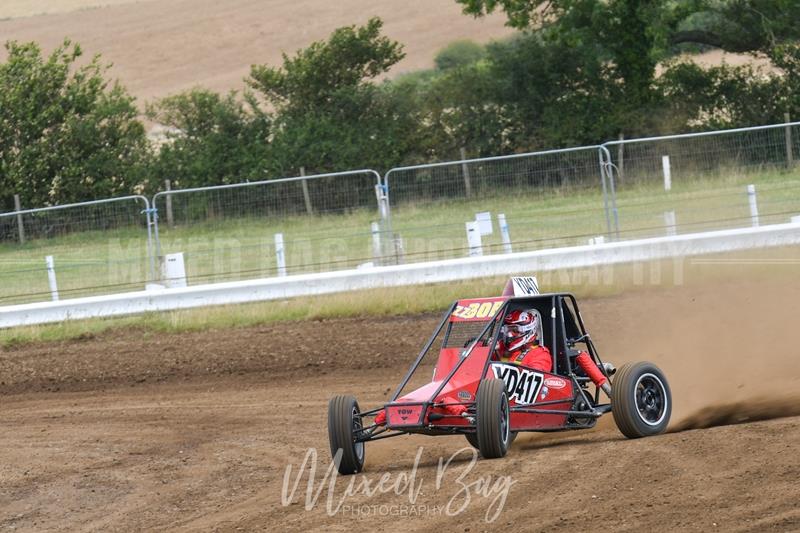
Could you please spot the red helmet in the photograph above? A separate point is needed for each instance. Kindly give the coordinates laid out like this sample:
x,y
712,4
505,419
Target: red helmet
x,y
520,328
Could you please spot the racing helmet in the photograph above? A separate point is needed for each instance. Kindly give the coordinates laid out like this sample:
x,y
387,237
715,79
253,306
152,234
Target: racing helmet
x,y
520,328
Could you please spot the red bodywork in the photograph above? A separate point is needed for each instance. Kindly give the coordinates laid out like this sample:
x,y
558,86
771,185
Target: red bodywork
x,y
526,387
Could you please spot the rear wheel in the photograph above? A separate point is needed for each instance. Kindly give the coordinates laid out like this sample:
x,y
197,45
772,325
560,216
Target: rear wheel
x,y
641,400
493,419
344,423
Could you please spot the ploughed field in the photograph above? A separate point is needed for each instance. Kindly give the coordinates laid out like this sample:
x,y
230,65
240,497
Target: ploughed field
x,y
163,47
137,430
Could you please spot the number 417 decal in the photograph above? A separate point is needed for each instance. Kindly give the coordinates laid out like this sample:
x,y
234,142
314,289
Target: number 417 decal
x,y
523,386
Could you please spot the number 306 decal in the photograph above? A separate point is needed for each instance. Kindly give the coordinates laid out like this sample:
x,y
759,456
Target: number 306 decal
x,y
477,310
523,386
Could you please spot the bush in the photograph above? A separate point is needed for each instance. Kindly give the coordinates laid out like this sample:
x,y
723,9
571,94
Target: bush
x,y
217,140
66,135
328,113
459,54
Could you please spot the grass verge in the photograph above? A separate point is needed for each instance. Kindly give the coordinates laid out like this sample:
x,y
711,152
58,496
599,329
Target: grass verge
x,y
778,264
224,249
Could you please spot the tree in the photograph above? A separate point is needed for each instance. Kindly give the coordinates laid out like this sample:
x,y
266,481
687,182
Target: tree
x,y
65,134
311,79
646,28
554,94
461,110
722,96
329,114
726,96
786,57
217,140
631,37
741,25
629,34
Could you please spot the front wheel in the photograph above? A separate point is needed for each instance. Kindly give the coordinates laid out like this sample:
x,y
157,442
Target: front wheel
x,y
472,439
641,400
344,425
493,419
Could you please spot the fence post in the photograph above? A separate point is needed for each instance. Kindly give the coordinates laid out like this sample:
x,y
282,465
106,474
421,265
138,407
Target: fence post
x,y
159,273
150,216
667,172
504,234
20,227
603,177
399,249
609,191
376,242
621,158
384,210
306,196
51,277
789,154
170,219
465,170
671,223
280,256
751,195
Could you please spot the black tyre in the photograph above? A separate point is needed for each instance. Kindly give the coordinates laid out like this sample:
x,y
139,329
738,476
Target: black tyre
x,y
641,400
472,438
493,419
344,423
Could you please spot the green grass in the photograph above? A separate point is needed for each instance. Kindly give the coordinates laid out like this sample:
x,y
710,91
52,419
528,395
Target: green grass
x,y
433,298
778,265
116,258
228,249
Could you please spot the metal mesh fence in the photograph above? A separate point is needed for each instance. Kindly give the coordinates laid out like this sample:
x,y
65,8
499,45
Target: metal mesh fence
x,y
555,198
534,224
694,158
547,173
96,248
342,220
529,228
229,232
727,207
545,197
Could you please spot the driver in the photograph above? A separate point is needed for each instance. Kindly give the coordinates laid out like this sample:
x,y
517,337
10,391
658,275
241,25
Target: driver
x,y
519,342
518,345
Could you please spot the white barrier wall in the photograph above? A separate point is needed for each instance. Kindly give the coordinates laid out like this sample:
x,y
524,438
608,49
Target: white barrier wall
x,y
393,276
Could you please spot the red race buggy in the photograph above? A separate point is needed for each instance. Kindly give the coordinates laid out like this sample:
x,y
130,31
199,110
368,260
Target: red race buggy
x,y
474,394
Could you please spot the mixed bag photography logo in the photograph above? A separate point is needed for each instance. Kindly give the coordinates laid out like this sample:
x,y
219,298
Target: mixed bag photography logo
x,y
453,485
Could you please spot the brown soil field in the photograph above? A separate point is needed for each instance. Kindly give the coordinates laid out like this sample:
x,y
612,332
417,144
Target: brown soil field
x,y
195,431
161,47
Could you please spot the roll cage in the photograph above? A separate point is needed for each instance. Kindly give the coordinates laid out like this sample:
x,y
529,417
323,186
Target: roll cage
x,y
563,330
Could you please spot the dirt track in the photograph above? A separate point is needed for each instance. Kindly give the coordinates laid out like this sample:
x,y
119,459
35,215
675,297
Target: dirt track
x,y
196,430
